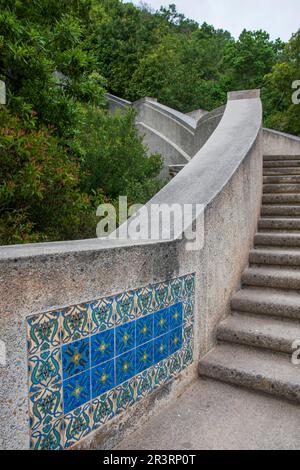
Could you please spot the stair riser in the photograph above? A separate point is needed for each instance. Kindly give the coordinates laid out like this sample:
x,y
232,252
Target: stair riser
x,y
284,211
281,179
281,199
274,310
275,260
280,157
282,164
256,382
281,171
273,224
281,188
277,241
258,340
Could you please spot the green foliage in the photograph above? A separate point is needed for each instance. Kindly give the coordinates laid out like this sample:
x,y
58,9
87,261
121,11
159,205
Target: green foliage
x,y
115,158
54,81
40,197
281,113
249,59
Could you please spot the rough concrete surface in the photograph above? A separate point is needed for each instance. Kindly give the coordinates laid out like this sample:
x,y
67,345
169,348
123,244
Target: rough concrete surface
x,y
215,416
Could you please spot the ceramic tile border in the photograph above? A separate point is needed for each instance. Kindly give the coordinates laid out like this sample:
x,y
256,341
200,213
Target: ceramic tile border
x,y
48,332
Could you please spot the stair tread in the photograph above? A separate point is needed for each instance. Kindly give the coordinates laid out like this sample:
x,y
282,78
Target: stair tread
x,y
277,330
277,250
258,363
279,234
272,272
269,296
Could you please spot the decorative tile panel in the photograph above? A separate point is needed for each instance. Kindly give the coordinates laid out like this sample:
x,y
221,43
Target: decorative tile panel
x,y
87,363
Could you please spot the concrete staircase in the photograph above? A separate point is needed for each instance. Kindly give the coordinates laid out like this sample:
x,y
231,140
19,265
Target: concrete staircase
x,y
254,345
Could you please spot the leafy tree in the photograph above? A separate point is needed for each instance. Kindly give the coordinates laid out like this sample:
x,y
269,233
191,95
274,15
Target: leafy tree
x,y
281,113
115,160
249,59
40,197
55,86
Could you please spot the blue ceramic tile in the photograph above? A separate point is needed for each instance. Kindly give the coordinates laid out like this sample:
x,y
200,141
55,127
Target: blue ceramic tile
x,y
76,391
176,315
175,340
176,286
44,370
144,384
188,314
102,314
144,329
103,378
125,338
75,323
162,295
77,424
102,347
43,332
103,409
145,301
161,322
50,437
188,333
161,348
45,407
189,285
144,357
75,357
187,357
125,367
125,308
175,363
161,373
125,395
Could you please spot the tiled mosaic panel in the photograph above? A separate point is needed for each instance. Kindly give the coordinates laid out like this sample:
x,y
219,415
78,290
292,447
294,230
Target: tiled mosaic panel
x,y
89,362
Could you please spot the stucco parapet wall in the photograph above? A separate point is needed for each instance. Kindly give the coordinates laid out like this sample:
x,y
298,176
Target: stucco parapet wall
x,y
280,143
120,101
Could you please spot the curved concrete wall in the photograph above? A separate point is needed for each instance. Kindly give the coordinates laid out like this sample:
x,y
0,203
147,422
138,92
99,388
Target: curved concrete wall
x,y
176,136
278,143
226,177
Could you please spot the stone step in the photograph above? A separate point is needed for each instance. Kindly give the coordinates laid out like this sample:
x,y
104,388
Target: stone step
x,y
281,188
271,277
281,163
257,369
281,171
293,179
275,257
284,210
290,198
272,302
266,333
279,224
277,239
280,157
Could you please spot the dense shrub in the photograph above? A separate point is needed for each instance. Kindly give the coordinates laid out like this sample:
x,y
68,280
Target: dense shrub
x,y
40,196
115,159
